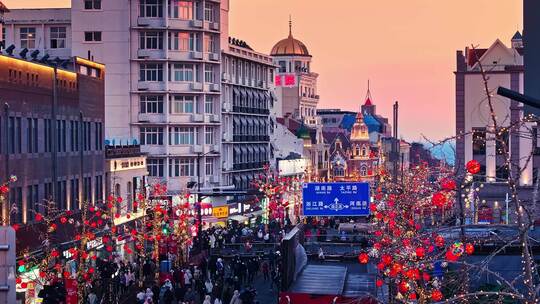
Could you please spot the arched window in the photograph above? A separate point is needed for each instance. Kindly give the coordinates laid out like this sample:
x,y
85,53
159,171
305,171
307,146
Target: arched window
x,y
338,171
363,171
364,151
357,152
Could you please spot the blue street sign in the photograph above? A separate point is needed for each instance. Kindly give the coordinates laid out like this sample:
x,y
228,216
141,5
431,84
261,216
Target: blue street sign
x,y
336,199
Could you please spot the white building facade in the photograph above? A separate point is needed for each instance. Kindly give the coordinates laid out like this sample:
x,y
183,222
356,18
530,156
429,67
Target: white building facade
x,y
163,74
247,99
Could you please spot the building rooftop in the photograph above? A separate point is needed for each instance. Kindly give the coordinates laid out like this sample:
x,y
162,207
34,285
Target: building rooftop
x,y
290,46
3,8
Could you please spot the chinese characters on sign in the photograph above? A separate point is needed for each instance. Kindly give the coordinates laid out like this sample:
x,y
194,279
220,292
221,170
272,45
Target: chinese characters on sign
x,y
336,199
221,212
285,80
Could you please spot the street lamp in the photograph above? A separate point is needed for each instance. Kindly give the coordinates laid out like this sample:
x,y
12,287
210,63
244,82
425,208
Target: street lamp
x,y
190,185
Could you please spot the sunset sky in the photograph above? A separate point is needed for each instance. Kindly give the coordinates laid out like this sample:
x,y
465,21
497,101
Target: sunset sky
x,y
406,48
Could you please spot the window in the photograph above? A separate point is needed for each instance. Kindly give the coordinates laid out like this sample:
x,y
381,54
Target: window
x,y
209,136
209,104
151,8
74,127
209,74
58,37
151,72
92,36
209,166
479,141
181,135
28,37
15,135
179,9
87,187
74,194
182,72
32,206
181,167
151,136
98,188
501,173
363,171
151,104
32,135
99,136
209,12
182,104
47,135
209,43
61,195
338,171
155,167
48,191
92,4
180,41
151,40
282,67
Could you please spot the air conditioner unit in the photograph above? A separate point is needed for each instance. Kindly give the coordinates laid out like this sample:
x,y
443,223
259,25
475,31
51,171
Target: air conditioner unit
x,y
214,26
214,87
197,23
214,56
225,77
197,55
196,86
214,179
143,53
215,148
197,149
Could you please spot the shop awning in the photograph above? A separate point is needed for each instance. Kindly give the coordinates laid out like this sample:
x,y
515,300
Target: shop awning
x,y
238,218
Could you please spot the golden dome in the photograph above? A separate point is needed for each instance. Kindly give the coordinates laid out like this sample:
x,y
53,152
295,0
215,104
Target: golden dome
x,y
290,46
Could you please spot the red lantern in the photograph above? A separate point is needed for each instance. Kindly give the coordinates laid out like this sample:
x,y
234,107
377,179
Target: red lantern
x,y
4,189
420,252
438,199
439,241
469,248
386,259
436,295
363,258
473,167
448,184
412,296
450,256
38,217
18,280
379,283
403,287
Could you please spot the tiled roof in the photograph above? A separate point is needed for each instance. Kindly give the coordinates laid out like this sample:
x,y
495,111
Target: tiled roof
x,y
474,54
3,8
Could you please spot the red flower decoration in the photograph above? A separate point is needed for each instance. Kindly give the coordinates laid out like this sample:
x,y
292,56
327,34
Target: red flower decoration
x,y
63,220
38,217
420,252
450,256
439,241
379,283
473,167
4,189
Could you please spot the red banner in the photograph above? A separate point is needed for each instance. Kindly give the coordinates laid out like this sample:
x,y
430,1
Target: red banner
x,y
71,291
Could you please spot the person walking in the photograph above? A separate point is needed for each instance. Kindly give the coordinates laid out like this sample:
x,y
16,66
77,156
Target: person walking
x,y
207,300
236,298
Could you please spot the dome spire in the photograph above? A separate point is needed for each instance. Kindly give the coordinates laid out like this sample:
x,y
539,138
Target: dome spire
x,y
290,26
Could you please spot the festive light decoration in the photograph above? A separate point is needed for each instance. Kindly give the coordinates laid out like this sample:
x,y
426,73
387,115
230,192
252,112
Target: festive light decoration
x,y
473,167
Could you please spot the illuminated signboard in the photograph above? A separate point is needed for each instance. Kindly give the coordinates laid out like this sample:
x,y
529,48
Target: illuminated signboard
x,y
285,80
336,199
221,212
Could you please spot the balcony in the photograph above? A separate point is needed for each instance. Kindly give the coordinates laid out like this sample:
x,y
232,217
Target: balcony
x,y
216,148
197,149
151,54
151,22
180,55
180,86
197,118
151,86
154,149
180,118
180,150
214,118
151,117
